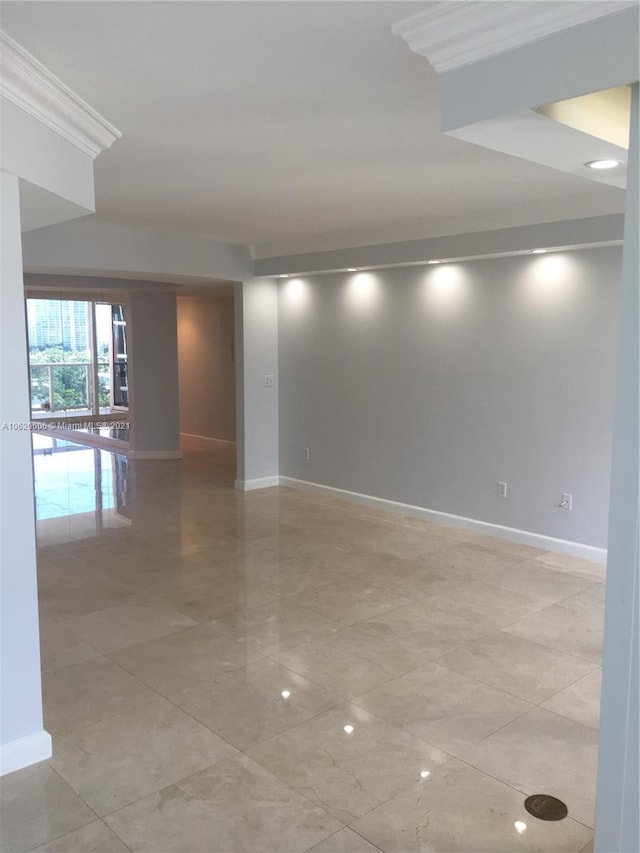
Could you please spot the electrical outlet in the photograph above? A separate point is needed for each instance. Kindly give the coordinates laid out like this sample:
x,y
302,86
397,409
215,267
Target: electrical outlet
x,y
502,489
268,380
567,501
306,453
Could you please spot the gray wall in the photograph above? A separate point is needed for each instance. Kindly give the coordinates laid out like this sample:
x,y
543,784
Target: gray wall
x,y
153,372
256,325
426,385
617,826
205,367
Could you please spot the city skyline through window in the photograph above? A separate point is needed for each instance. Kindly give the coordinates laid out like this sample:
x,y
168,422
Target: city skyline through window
x,y
77,357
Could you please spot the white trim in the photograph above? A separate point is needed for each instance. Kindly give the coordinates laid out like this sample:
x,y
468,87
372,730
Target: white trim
x,y
208,438
25,751
28,84
259,483
522,537
453,34
154,454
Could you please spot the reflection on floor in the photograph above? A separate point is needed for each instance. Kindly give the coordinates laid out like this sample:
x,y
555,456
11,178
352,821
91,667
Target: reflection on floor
x,y
272,671
108,435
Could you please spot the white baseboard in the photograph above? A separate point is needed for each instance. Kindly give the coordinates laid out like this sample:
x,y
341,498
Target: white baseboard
x,y
25,751
260,483
512,534
208,439
154,454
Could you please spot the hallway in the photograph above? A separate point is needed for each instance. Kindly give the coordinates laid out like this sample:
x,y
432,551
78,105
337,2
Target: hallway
x,y
278,671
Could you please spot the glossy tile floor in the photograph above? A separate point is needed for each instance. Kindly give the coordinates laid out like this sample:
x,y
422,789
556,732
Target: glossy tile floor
x,y
274,671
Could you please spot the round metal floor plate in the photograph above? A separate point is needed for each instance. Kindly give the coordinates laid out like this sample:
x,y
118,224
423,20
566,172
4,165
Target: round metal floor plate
x,y
546,807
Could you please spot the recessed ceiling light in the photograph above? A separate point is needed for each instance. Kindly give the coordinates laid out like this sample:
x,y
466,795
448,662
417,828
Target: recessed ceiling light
x,y
433,262
602,164
352,269
284,275
348,729
538,251
285,694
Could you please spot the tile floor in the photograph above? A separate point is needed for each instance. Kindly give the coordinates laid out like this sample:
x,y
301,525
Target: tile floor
x,y
274,671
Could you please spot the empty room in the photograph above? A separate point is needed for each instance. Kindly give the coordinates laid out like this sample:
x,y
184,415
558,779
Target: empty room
x,y
319,445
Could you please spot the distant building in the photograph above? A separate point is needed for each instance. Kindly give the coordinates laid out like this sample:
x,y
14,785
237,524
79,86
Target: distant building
x,y
58,323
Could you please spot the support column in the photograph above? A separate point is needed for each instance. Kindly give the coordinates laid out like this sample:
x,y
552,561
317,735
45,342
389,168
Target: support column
x,y
23,740
617,822
256,326
154,414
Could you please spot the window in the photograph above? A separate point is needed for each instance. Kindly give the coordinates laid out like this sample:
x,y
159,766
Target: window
x,y
77,357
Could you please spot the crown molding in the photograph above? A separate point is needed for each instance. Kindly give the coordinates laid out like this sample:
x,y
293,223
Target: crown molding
x,y
455,33
28,84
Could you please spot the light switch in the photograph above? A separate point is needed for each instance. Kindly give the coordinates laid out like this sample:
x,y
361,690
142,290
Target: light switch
x,y
268,380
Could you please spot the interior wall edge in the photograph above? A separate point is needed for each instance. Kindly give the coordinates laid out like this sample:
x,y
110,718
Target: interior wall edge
x,y
475,525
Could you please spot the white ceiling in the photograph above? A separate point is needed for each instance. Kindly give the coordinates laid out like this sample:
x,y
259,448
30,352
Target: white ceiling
x,y
292,126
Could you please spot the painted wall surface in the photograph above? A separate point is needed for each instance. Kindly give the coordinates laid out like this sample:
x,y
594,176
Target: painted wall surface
x,y
617,825
206,367
22,739
427,385
153,372
564,68
42,157
256,323
88,245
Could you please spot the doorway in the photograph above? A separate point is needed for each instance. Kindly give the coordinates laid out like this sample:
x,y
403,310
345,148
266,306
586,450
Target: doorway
x,y
207,374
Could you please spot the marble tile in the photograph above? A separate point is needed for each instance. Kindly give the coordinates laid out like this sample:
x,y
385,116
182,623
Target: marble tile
x,y
574,626
364,558
254,703
93,838
344,841
573,566
423,629
579,701
55,568
85,693
232,807
469,562
84,596
458,809
287,578
543,585
60,647
410,543
421,582
542,752
221,600
442,707
184,658
204,595
351,662
37,805
349,601
347,771
525,669
480,602
301,544
271,629
118,627
504,548
124,758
